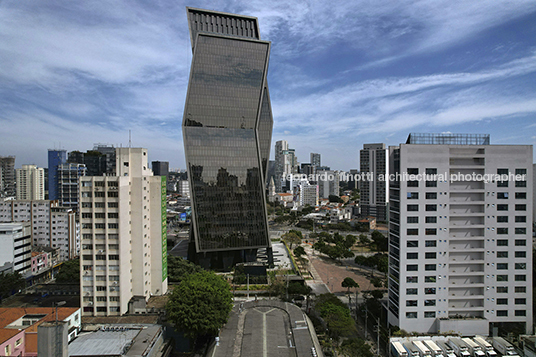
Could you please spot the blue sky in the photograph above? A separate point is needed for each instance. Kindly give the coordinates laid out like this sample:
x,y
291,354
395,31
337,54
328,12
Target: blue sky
x,y
342,73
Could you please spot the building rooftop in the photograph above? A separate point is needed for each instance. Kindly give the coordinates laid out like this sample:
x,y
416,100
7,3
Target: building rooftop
x,y
448,139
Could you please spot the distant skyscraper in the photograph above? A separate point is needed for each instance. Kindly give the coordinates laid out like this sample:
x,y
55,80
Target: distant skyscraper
x,y
374,191
315,159
55,159
328,183
286,163
67,184
460,252
30,183
160,168
227,130
7,176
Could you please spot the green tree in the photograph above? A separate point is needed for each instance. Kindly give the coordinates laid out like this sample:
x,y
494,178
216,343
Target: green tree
x,y
379,241
299,251
349,241
335,199
69,272
364,239
10,283
178,268
291,238
200,304
349,283
356,347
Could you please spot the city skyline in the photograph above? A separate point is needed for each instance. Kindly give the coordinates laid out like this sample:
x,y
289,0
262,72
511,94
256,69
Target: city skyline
x,y
373,72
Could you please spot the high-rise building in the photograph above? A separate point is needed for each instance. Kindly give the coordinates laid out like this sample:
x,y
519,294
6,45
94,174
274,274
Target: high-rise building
x,y
55,159
30,183
16,243
227,129
286,163
67,184
160,168
108,151
315,159
52,226
308,194
7,176
375,189
123,228
460,252
328,183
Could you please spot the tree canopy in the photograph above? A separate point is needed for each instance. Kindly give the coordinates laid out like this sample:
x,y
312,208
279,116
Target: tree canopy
x,y
200,304
178,268
349,283
69,272
10,283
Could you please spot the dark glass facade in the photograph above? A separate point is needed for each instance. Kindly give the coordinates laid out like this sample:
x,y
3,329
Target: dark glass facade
x,y
227,129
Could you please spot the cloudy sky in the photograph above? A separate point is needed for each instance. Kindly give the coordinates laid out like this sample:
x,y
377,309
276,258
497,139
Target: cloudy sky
x,y
342,73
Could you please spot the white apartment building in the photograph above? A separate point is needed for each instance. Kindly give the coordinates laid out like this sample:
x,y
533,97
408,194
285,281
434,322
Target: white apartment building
x,y
123,226
30,183
374,190
460,249
328,183
51,225
15,240
308,194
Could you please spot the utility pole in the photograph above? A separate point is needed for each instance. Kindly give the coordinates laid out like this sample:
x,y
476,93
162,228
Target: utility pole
x,y
248,285
378,336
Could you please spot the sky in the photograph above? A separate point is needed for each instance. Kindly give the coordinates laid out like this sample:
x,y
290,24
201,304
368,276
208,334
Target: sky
x,y
341,73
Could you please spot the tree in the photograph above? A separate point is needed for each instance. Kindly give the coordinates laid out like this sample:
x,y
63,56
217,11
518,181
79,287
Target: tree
x,y
349,241
379,241
349,283
200,304
291,238
356,347
364,239
178,268
299,251
335,199
69,272
10,283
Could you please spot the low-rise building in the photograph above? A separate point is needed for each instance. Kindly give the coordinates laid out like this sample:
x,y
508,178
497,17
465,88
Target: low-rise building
x,y
15,240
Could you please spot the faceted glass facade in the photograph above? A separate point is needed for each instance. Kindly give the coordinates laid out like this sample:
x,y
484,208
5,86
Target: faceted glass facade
x,y
227,130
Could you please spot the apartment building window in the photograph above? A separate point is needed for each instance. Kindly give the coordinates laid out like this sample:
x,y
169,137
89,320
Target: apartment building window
x,y
502,195
431,195
520,266
411,315
502,171
113,215
520,313
87,257
112,184
520,278
412,255
521,254
113,257
430,279
413,220
412,279
100,278
502,242
113,236
412,231
431,219
429,314
100,215
430,291
521,207
430,243
502,313
85,205
413,183
431,208
431,183
413,171
521,195
502,254
84,195
520,230
113,204
413,195
502,289
520,301
113,194
521,289
502,266
411,303
430,231
99,204
502,277
502,230
430,255
113,246
411,291
413,208
99,194
100,225
114,298
100,257
521,184
521,219
502,207
429,303
430,267
502,219
502,183
412,243
520,242
412,267
101,288
113,225
502,301
101,298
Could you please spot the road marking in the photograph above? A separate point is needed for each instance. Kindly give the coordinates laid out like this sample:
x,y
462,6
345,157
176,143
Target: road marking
x,y
264,350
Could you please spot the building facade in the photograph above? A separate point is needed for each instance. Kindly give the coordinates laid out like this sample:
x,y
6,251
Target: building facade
x,y
160,168
52,225
55,159
328,183
315,160
30,183
227,129
7,176
67,184
123,228
375,189
16,243
460,252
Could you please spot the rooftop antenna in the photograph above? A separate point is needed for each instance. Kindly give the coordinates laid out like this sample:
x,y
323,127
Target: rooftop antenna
x,y
130,139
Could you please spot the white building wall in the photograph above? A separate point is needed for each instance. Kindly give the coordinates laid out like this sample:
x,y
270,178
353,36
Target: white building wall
x,y
453,257
15,240
30,183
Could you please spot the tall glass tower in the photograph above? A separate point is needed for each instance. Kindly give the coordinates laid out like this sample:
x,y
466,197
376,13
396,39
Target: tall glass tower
x,y
227,129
